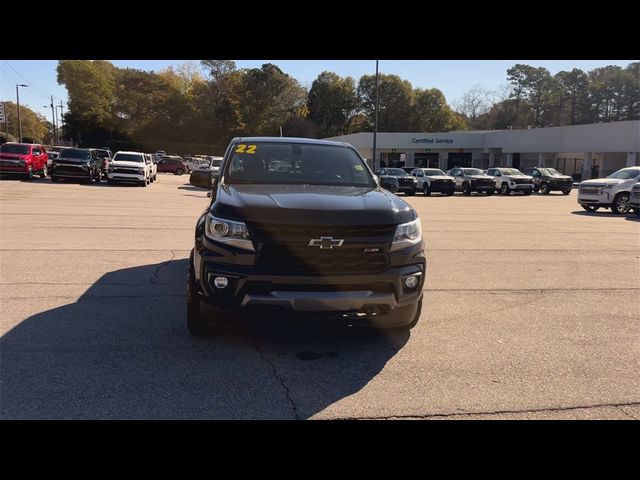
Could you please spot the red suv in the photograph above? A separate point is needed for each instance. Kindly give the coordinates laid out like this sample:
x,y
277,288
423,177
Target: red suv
x,y
174,165
23,158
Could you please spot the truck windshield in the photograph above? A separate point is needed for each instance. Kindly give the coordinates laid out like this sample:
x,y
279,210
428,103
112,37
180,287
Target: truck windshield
x,y
511,171
431,173
625,174
19,149
473,171
297,163
552,172
128,157
75,154
397,172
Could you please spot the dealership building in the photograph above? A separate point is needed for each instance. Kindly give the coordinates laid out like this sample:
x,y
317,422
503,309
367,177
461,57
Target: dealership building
x,y
582,151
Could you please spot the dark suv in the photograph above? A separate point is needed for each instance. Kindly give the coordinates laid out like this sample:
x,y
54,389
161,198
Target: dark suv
x,y
547,180
300,227
472,180
78,164
407,183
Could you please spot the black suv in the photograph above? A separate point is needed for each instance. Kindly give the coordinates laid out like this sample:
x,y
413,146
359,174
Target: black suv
x,y
407,183
300,227
472,180
547,180
77,163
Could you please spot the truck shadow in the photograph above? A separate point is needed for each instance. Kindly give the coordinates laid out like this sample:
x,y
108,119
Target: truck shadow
x,y
122,351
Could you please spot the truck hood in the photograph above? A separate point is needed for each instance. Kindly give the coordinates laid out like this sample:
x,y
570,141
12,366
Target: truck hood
x,y
480,177
116,163
519,177
311,204
441,177
558,177
601,182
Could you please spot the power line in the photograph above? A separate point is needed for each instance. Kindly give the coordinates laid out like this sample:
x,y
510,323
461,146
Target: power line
x,y
23,78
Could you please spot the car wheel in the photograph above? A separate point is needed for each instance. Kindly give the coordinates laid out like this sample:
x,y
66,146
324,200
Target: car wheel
x,y
29,174
425,190
44,172
621,203
195,322
179,171
590,208
566,192
504,189
466,189
544,189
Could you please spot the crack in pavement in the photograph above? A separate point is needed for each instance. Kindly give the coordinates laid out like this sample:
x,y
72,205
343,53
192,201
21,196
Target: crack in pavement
x,y
163,264
280,379
500,412
627,413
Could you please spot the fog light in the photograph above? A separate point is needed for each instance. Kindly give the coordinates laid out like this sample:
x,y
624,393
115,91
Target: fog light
x,y
411,281
220,282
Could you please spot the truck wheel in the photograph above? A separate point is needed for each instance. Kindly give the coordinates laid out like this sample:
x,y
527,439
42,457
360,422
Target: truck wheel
x,y
621,203
590,208
425,190
179,171
504,189
29,174
43,173
466,189
544,189
566,192
195,323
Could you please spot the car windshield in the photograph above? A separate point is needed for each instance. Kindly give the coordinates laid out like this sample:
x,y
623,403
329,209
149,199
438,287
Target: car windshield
x,y
552,172
128,157
297,163
431,173
625,174
473,171
398,172
76,154
19,149
511,171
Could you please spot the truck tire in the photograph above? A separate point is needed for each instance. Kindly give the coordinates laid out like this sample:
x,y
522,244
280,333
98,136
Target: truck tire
x,y
590,208
466,189
504,189
621,203
544,189
195,322
566,192
179,171
44,171
29,174
426,190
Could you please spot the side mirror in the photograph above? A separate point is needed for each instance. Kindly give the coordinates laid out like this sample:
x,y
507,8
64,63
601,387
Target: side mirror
x,y
202,178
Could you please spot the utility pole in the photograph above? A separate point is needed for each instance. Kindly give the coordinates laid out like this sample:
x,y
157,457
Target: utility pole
x,y
53,118
61,127
18,105
375,123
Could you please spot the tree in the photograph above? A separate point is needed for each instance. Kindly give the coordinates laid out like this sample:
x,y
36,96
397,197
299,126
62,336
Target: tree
x,y
432,114
395,102
331,103
34,125
473,103
218,68
574,86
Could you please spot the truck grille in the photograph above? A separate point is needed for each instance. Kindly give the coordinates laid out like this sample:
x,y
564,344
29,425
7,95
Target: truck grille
x,y
521,181
405,181
589,191
283,249
130,171
70,170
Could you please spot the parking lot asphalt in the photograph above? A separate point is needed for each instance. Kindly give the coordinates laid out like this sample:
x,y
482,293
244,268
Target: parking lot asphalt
x,y
530,312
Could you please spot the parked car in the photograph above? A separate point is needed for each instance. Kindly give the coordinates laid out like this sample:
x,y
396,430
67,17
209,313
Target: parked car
x,y
25,159
407,183
472,180
613,192
78,164
546,180
153,167
317,242
511,180
129,167
434,180
173,165
105,154
634,203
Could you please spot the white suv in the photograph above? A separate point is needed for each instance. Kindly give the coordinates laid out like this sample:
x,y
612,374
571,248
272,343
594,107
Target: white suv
x,y
434,180
129,167
511,180
612,192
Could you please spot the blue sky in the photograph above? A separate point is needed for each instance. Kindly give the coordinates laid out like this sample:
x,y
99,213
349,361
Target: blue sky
x,y
453,77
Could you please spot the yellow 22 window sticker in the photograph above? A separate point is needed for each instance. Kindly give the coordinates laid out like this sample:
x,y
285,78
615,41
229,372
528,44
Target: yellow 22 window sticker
x,y
242,148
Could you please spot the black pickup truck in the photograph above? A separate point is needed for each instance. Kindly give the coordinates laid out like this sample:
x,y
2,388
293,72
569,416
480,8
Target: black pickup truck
x,y
299,227
407,183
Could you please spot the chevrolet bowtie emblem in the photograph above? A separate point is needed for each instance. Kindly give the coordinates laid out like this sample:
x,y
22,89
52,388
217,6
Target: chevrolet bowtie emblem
x,y
326,242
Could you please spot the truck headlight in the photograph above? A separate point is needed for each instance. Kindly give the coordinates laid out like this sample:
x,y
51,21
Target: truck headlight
x,y
608,187
229,232
407,234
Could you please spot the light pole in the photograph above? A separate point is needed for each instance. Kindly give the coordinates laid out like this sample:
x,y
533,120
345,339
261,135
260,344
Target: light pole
x,y
18,105
375,123
54,136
